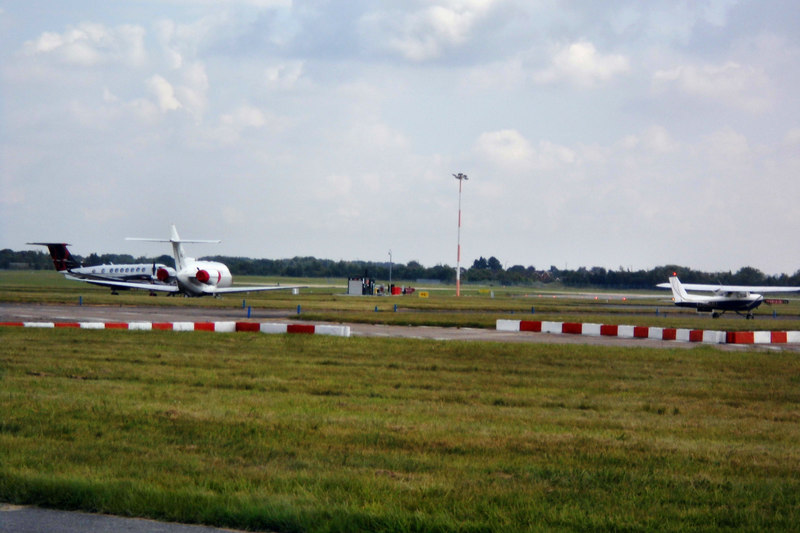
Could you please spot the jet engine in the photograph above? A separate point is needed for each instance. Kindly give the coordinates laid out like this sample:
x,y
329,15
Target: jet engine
x,y
208,277
163,275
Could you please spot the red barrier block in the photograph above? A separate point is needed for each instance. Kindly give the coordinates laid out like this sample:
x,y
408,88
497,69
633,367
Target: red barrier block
x,y
572,328
778,337
530,325
300,328
740,337
253,327
696,335
669,334
204,326
165,326
641,332
116,325
17,324
67,325
609,330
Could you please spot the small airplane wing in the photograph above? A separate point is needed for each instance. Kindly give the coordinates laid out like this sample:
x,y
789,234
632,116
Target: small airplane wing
x,y
159,287
229,290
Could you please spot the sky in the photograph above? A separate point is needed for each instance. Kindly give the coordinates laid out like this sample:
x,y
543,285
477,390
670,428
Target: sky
x,y
614,133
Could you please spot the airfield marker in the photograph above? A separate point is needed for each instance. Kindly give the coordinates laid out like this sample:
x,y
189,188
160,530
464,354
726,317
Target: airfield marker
x,y
460,177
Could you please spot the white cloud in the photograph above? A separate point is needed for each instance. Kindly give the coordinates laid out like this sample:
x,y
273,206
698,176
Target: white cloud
x,y
736,85
244,117
426,33
90,44
284,75
193,91
657,139
505,147
792,137
580,63
164,93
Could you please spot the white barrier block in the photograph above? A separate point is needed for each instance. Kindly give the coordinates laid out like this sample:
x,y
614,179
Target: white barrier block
x,y
507,325
225,327
682,334
551,327
337,331
625,332
183,326
39,324
762,337
655,333
143,326
591,329
714,337
93,325
273,328
793,336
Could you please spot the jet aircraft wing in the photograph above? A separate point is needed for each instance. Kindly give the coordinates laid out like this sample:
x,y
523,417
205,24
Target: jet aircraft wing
x,y
229,290
163,287
160,287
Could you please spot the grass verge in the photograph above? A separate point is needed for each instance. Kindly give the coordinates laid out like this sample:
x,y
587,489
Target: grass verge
x,y
306,433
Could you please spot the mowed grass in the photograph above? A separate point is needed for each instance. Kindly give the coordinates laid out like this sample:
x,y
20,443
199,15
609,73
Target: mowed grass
x,y
308,433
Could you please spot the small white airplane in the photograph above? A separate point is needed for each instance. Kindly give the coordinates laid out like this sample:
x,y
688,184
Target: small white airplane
x,y
107,274
736,298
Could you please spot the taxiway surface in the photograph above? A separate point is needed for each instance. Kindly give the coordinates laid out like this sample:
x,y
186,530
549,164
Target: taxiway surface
x,y
109,313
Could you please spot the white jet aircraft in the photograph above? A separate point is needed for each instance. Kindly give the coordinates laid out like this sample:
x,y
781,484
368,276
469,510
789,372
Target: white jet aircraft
x,y
737,298
198,278
190,276
109,274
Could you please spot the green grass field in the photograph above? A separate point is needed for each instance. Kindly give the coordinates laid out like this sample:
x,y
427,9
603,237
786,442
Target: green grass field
x,y
307,433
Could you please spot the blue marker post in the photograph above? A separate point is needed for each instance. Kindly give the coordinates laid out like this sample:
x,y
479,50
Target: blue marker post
x,y
248,311
80,300
298,309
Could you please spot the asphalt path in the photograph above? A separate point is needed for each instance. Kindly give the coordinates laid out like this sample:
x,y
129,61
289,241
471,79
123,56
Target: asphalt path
x,y
110,313
26,519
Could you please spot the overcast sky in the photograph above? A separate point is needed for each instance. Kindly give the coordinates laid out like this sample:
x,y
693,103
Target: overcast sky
x,y
613,133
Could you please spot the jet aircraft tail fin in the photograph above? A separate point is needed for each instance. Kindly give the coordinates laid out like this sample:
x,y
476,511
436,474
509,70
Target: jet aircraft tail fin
x,y
62,259
181,260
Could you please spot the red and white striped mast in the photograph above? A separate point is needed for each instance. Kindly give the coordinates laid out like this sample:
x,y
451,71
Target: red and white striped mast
x,y
460,177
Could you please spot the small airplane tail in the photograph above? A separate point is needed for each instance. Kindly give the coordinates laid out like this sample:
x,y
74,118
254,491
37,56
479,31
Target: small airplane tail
x,y
678,292
62,259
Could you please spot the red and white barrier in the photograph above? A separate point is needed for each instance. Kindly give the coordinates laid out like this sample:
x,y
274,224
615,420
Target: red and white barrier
x,y
646,332
222,327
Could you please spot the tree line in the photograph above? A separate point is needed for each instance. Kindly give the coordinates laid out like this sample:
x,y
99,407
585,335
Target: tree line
x,y
482,270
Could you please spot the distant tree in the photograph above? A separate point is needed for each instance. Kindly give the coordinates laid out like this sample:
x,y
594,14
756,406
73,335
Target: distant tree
x,y
480,264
